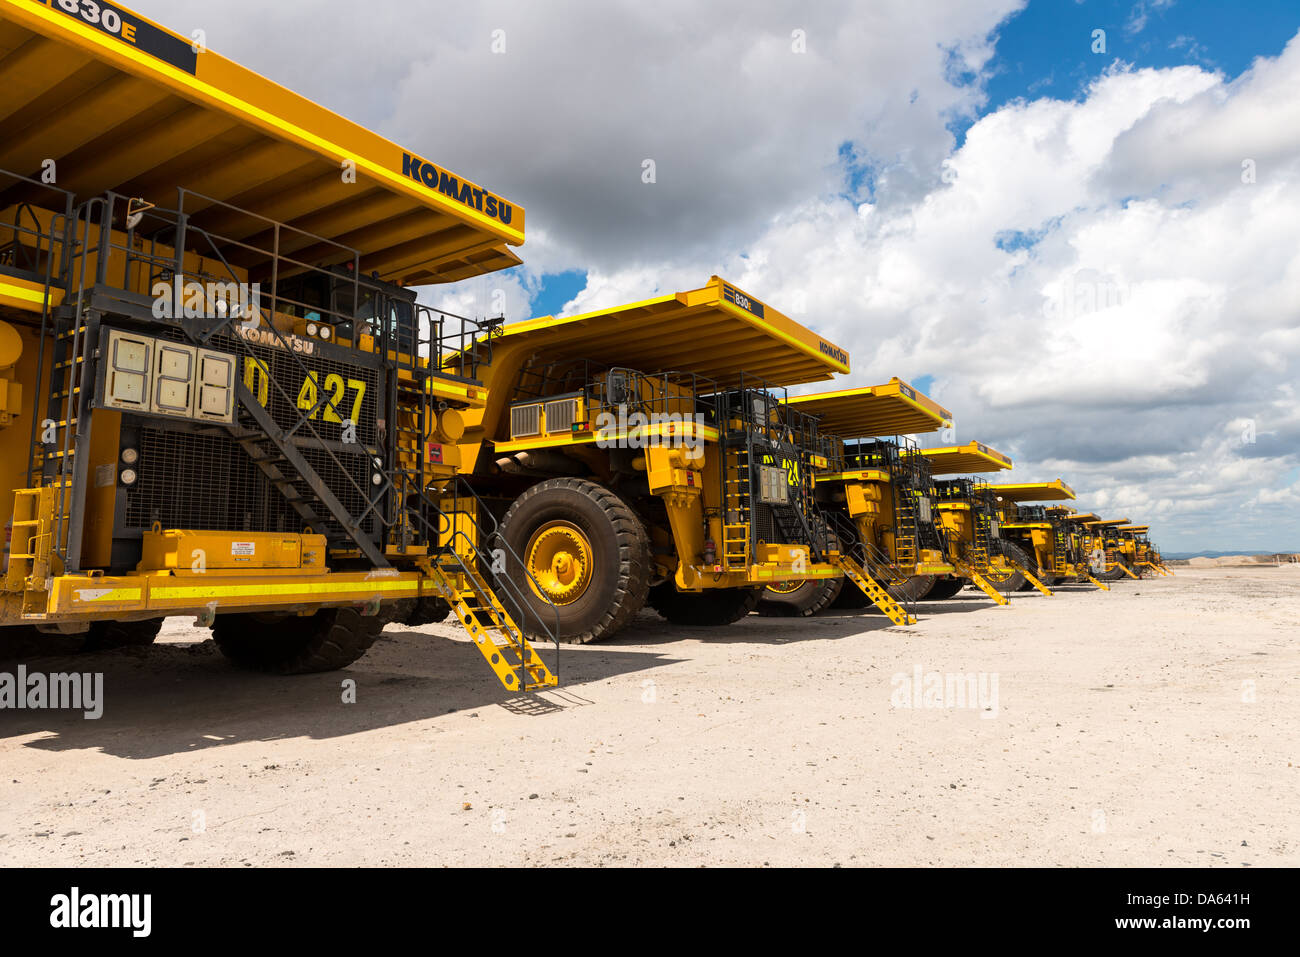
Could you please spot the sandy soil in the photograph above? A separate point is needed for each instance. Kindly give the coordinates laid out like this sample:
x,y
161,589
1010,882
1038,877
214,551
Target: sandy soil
x,y
1156,724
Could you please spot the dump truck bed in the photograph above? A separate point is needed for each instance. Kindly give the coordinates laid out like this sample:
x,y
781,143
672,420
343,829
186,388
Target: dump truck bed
x,y
967,459
894,408
1056,491
717,331
127,105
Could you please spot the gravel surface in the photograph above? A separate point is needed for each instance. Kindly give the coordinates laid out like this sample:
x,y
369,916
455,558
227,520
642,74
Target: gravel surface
x,y
1155,724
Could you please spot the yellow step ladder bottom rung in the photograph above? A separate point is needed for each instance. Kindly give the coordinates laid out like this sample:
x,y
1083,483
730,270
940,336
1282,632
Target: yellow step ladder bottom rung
x,y
492,631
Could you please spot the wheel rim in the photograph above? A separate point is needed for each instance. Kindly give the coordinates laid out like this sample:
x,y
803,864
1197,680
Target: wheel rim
x,y
559,558
998,571
786,587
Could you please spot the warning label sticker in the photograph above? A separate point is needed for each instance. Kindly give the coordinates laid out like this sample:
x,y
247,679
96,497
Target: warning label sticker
x,y
243,548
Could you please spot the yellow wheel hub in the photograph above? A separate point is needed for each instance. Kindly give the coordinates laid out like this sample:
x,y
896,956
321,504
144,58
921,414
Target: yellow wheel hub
x,y
559,559
998,572
785,588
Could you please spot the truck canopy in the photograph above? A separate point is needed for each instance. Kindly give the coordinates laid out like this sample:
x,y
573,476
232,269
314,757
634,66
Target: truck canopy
x,y
1134,528
717,332
121,104
894,408
1110,523
971,458
1056,491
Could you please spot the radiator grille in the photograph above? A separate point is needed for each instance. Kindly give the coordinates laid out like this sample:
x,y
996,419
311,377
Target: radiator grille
x,y
199,481
525,420
208,482
561,414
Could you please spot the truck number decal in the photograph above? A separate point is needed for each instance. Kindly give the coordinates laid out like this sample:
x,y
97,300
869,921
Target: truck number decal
x,y
309,396
123,27
737,298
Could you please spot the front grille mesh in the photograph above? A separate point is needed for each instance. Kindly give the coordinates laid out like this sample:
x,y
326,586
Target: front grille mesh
x,y
196,481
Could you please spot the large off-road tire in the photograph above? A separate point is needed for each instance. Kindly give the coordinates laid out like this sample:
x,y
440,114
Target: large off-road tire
x,y
808,598
587,550
104,635
1011,580
851,597
332,638
18,642
713,607
1031,562
945,588
413,612
914,589
1111,575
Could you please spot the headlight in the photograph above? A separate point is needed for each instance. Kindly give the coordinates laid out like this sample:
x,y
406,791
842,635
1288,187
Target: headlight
x,y
325,332
377,479
128,476
130,456
312,328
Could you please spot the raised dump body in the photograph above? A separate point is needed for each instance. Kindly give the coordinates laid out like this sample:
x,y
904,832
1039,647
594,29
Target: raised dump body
x,y
973,458
877,492
647,454
223,400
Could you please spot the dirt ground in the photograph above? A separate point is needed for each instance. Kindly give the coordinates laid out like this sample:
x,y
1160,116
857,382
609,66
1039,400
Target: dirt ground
x,y
1156,724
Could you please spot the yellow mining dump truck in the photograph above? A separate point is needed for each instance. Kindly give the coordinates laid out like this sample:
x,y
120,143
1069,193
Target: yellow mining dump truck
x,y
221,400
646,454
1110,559
876,493
969,517
1072,528
1038,532
1144,556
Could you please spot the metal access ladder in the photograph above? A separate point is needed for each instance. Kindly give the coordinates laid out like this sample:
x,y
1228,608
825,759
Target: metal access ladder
x,y
456,579
968,571
494,632
1029,576
873,590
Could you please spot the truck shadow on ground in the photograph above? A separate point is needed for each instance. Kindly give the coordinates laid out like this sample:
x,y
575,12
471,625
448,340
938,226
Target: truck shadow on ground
x,y
649,629
179,696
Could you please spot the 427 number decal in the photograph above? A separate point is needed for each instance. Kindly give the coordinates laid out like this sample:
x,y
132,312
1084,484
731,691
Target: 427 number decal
x,y
344,398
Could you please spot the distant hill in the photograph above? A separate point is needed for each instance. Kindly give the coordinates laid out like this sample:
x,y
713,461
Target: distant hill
x,y
1182,556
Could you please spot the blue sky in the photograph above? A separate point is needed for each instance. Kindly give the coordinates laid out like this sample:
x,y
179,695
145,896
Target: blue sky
x,y
1046,49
